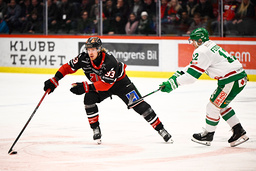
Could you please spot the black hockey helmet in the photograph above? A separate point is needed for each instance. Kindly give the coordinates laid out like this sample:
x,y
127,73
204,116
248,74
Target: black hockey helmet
x,y
93,42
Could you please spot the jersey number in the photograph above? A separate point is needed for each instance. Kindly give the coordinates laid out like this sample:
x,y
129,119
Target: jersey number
x,y
110,74
94,77
226,55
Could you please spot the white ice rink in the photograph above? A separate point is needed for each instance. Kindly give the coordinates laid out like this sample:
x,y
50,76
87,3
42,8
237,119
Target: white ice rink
x,y
59,137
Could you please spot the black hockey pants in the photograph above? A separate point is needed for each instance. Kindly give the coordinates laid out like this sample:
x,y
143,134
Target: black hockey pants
x,y
122,89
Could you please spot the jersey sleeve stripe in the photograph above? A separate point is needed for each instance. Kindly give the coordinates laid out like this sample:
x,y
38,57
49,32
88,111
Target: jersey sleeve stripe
x,y
197,68
194,73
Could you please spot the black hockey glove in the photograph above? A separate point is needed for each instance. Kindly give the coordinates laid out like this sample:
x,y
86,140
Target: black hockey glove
x,y
51,84
81,88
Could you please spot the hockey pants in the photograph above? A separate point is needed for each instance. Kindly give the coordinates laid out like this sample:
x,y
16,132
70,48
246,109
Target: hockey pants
x,y
218,105
123,89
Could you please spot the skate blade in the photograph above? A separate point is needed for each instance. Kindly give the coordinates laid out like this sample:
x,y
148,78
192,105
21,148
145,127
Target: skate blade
x,y
169,141
207,143
98,141
241,140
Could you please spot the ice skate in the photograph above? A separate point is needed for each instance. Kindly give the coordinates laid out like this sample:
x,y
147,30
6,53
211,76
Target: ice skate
x,y
239,136
97,135
204,138
166,136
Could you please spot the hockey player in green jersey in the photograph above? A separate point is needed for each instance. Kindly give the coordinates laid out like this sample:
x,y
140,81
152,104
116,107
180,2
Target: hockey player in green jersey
x,y
211,59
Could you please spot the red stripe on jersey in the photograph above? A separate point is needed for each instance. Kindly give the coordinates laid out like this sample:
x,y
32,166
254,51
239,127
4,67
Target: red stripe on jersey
x,y
154,125
66,69
101,86
197,68
233,72
124,73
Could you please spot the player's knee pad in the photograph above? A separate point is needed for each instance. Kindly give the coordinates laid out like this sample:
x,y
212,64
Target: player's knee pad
x,y
149,115
212,111
142,107
145,110
91,109
92,114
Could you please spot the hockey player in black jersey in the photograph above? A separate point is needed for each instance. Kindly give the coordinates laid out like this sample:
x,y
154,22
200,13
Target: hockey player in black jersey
x,y
108,78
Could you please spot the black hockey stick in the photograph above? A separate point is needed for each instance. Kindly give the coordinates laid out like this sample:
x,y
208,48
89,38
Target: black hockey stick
x,y
15,152
131,104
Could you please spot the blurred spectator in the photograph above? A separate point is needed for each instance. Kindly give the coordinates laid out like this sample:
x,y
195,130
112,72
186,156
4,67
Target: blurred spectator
x,y
229,8
197,23
185,22
85,25
118,25
52,16
36,7
86,6
122,9
12,16
170,24
132,24
3,8
25,13
108,9
4,29
65,17
150,8
191,6
137,7
205,8
183,3
145,24
57,2
34,25
94,13
174,8
244,22
107,24
164,9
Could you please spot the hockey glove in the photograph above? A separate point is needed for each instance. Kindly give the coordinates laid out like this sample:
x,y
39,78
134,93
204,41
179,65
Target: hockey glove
x,y
80,88
171,83
51,84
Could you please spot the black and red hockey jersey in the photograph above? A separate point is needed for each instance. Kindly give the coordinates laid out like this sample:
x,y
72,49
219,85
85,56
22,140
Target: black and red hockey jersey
x,y
104,71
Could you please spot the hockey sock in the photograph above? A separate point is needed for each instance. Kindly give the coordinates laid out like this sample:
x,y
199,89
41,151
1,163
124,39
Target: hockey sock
x,y
212,117
92,114
150,116
228,114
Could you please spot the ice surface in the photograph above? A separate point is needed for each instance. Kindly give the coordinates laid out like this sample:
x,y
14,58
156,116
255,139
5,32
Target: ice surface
x,y
59,137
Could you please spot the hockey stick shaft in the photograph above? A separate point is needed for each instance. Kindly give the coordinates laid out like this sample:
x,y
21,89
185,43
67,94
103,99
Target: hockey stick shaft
x,y
131,105
46,92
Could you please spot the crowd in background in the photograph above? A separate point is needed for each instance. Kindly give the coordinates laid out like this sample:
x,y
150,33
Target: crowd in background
x,y
128,17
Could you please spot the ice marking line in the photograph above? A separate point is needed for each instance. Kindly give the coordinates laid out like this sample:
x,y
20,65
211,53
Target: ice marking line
x,y
220,152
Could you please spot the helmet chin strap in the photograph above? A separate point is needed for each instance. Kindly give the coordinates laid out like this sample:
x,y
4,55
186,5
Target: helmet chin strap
x,y
199,42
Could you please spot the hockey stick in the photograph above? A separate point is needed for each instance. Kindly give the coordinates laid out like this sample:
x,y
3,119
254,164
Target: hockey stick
x,y
15,152
136,102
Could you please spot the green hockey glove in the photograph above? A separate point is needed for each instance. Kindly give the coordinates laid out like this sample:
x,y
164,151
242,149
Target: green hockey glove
x,y
171,83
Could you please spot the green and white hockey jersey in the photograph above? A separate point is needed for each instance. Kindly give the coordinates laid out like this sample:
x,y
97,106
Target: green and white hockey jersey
x,y
215,62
